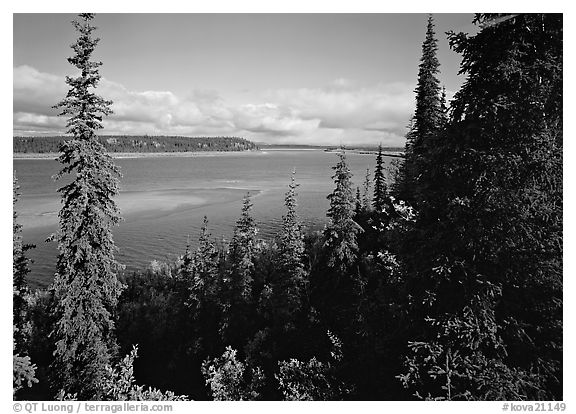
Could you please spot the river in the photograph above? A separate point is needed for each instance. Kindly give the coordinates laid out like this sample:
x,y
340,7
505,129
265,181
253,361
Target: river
x,y
163,200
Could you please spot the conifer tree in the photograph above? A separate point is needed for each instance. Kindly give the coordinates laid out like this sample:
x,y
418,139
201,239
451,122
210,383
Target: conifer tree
x,y
400,186
444,108
428,117
341,231
366,191
204,269
86,287
200,269
358,203
20,268
379,200
289,289
242,251
23,371
237,284
484,261
187,266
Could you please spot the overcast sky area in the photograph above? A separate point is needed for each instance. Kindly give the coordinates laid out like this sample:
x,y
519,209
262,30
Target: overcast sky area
x,y
326,79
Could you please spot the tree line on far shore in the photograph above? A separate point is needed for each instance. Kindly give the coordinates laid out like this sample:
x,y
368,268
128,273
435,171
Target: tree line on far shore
x,y
445,284
138,143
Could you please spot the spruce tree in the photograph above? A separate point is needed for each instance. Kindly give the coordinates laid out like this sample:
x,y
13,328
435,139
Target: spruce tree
x,y
186,270
341,232
86,287
366,191
23,371
237,284
428,114
203,292
427,121
20,268
242,251
203,269
290,287
379,199
444,108
484,260
400,186
358,203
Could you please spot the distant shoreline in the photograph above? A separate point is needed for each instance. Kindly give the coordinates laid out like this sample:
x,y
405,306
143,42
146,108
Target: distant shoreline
x,y
120,155
399,154
124,155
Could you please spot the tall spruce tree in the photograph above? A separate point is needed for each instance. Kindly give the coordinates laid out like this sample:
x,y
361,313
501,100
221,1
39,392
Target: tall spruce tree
x,y
242,251
379,199
289,289
428,118
86,287
200,273
203,269
341,232
428,114
484,261
237,284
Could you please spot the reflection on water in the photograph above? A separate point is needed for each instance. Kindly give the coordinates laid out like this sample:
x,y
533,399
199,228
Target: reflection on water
x,y
163,200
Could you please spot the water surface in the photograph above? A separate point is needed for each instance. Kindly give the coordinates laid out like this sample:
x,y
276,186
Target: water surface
x,y
163,200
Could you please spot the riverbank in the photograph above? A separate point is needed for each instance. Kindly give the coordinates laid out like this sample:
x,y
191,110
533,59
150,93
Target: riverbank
x,y
54,155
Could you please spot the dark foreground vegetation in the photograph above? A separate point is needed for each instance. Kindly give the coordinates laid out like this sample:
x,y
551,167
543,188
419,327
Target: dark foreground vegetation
x,y
445,284
136,143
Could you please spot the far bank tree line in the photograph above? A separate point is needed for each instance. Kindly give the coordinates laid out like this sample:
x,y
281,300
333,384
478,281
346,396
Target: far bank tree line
x,y
444,285
137,143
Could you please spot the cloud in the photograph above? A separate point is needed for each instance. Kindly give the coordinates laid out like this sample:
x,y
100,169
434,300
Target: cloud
x,y
135,112
270,118
341,112
385,108
37,124
36,92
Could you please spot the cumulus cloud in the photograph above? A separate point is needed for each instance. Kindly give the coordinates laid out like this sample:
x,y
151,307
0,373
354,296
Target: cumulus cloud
x,y
342,112
34,95
135,112
385,108
270,118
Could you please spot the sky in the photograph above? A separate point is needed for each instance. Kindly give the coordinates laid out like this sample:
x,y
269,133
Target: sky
x,y
323,79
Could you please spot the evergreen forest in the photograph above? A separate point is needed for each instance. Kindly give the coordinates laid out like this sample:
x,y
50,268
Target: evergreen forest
x,y
445,284
134,143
